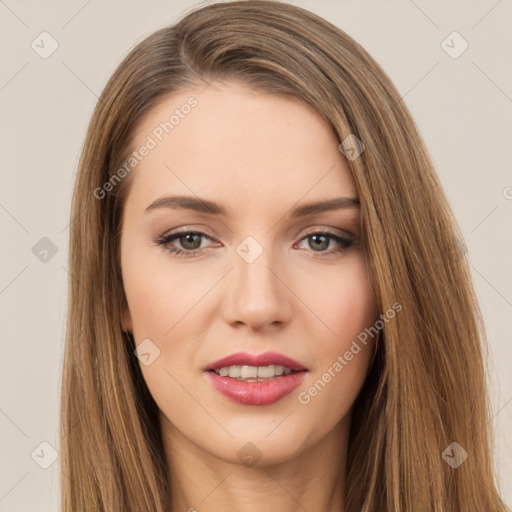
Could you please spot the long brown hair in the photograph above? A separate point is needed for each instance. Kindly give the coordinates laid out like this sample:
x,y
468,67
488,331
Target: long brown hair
x,y
426,387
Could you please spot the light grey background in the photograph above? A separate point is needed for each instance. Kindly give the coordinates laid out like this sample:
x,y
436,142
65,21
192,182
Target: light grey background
x,y
462,106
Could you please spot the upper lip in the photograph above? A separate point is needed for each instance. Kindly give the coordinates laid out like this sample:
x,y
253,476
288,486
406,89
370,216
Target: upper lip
x,y
264,359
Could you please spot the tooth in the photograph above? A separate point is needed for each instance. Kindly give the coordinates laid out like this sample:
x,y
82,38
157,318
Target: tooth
x,y
234,371
248,372
266,371
253,372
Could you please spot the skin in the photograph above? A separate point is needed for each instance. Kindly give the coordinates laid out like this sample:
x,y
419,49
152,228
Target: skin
x,y
259,156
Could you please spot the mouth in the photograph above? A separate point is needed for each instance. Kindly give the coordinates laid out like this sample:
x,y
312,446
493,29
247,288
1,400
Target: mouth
x,y
255,379
245,366
254,373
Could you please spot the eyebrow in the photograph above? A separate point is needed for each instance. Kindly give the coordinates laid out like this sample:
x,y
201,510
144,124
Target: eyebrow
x,y
212,208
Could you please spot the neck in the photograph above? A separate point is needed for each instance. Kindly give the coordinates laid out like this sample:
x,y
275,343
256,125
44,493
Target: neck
x,y
310,479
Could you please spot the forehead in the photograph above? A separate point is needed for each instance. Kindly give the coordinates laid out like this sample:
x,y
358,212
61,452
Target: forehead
x,y
240,146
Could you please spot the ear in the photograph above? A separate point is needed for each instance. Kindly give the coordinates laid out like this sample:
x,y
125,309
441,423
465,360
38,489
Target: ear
x,y
127,321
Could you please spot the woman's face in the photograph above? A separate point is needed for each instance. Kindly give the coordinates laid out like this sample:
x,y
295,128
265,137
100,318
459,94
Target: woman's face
x,y
263,276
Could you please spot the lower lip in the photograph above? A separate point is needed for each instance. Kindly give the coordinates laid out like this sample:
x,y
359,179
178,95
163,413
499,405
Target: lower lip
x,y
256,393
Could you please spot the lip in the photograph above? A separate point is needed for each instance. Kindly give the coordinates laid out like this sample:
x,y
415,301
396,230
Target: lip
x,y
264,359
256,393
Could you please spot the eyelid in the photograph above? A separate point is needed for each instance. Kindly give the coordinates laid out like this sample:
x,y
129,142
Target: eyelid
x,y
329,230
190,229
309,230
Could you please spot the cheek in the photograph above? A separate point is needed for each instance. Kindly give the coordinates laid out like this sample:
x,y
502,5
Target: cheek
x,y
160,297
347,308
342,302
150,302
161,301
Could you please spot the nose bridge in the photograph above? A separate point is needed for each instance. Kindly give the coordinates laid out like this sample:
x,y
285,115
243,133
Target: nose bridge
x,y
257,296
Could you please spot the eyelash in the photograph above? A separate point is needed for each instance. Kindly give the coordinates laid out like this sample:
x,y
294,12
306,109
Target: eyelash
x,y
165,240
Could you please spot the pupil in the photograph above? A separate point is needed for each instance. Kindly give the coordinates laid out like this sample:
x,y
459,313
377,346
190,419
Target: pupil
x,y
187,241
325,242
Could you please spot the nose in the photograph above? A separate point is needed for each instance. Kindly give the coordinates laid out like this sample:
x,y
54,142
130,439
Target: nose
x,y
257,292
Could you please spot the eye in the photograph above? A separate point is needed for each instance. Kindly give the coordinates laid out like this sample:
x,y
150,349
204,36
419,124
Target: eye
x,y
319,241
191,245
189,240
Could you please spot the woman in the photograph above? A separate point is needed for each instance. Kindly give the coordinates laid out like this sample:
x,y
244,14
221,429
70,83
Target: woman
x,y
269,307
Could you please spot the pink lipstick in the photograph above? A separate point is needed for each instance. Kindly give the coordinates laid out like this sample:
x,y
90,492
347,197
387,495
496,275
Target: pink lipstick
x,y
255,379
